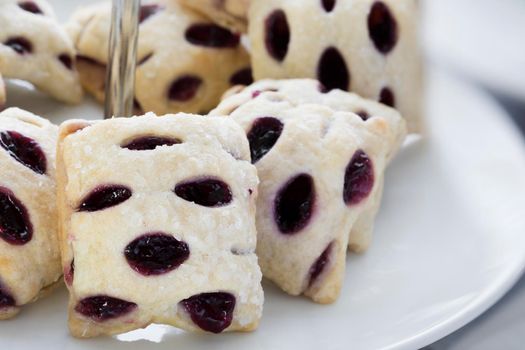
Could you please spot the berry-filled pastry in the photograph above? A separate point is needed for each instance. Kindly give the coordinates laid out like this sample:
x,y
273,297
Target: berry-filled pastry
x,y
157,223
228,13
29,250
369,47
35,48
321,158
185,62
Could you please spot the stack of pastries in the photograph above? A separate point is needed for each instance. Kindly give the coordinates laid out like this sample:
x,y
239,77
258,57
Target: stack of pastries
x,y
173,217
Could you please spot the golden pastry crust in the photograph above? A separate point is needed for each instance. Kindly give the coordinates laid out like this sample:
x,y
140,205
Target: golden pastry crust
x,y
343,35
221,240
320,135
165,56
28,269
40,51
228,13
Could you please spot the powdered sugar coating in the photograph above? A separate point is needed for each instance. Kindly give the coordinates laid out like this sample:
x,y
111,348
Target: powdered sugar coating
x,y
321,135
27,270
206,149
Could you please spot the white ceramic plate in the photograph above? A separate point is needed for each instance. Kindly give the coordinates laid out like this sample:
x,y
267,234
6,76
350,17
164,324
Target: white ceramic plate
x,y
482,38
449,243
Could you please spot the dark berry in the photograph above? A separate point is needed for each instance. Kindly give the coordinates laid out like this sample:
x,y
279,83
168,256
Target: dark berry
x,y
332,71
184,88
382,27
156,254
147,11
328,5
211,35
144,59
15,226
137,108
263,136
24,150
363,114
148,143
104,197
66,60
6,299
69,273
242,77
359,178
21,45
205,192
30,6
101,307
256,93
294,204
387,97
277,35
212,312
320,264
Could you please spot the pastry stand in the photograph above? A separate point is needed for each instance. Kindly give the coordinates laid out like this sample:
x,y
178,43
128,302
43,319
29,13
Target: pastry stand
x,y
122,50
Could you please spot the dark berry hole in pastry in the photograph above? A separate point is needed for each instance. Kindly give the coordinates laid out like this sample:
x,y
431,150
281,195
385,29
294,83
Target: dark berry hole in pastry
x,y
137,108
386,97
242,77
319,265
277,35
359,178
328,5
256,93
148,143
156,254
30,6
332,71
101,307
21,45
144,59
15,226
294,204
66,60
382,27
104,197
69,273
211,35
263,136
206,192
6,299
24,150
363,114
184,88
212,312
148,10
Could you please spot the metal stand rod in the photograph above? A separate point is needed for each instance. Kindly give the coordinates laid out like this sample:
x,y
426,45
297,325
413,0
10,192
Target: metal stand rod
x,y
120,76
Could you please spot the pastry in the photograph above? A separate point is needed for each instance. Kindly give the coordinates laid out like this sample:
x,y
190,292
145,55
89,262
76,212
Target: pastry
x,y
157,223
184,61
369,47
321,167
29,253
35,48
228,13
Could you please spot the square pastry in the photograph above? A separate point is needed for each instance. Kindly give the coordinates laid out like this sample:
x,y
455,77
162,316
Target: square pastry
x,y
35,48
157,224
29,253
321,158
